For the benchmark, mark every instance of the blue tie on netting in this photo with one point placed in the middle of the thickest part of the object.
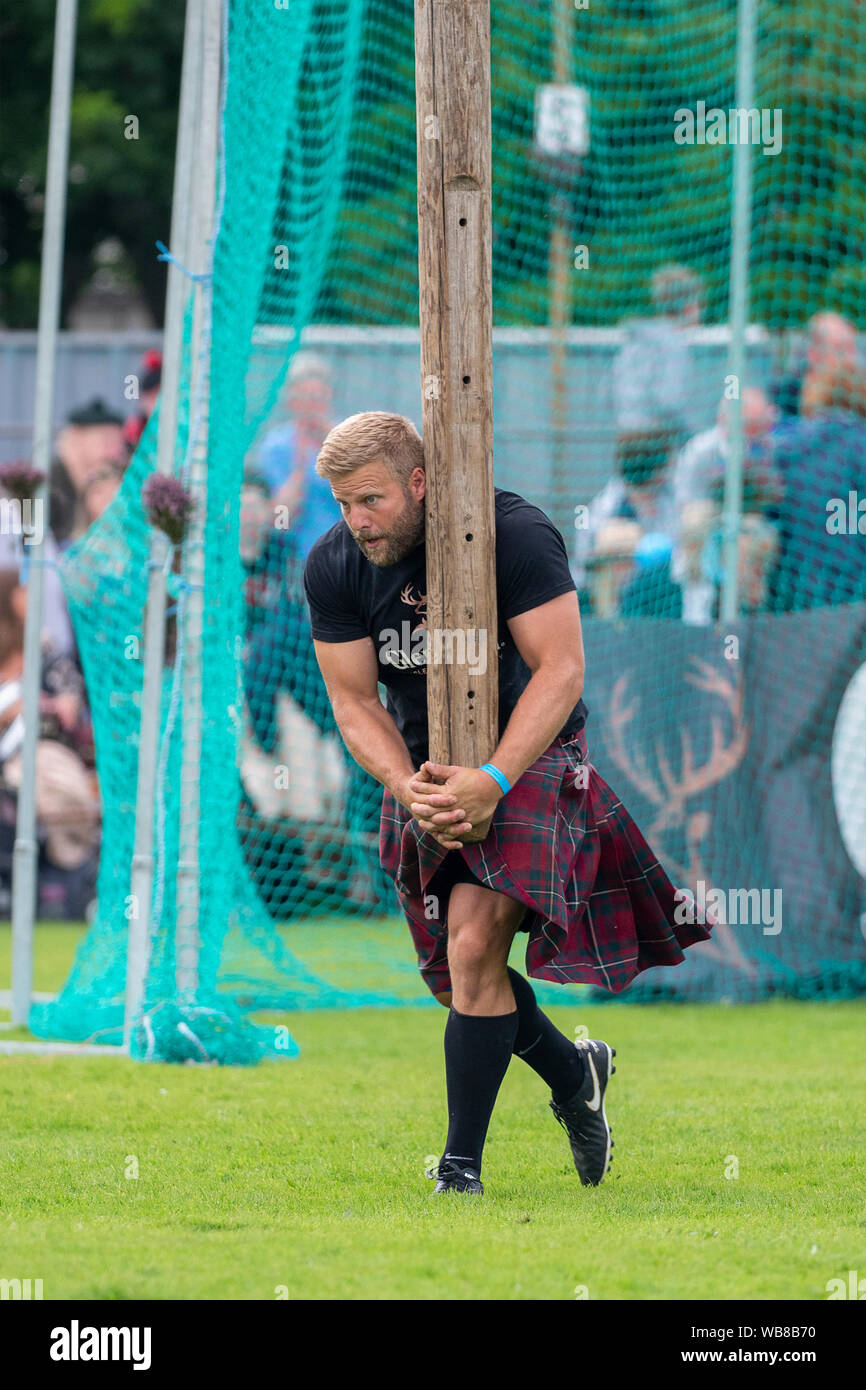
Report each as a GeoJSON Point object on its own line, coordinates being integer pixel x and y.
{"type": "Point", "coordinates": [205, 276]}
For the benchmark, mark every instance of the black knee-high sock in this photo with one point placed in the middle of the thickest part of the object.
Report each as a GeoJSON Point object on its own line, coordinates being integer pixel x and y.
{"type": "Point", "coordinates": [542, 1046]}
{"type": "Point", "coordinates": [478, 1049]}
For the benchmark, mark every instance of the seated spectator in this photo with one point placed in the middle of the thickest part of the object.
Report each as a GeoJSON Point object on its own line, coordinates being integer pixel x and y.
{"type": "Point", "coordinates": [293, 831]}
{"type": "Point", "coordinates": [280, 658]}
{"type": "Point", "coordinates": [822, 459]}
{"type": "Point", "coordinates": [831, 341]}
{"type": "Point", "coordinates": [63, 712]}
{"type": "Point", "coordinates": [698, 491]}
{"type": "Point", "coordinates": [705, 455]}
{"type": "Point", "coordinates": [637, 570]}
{"type": "Point", "coordinates": [99, 492]}
{"type": "Point", "coordinates": [702, 558]}
{"type": "Point", "coordinates": [269, 553]}
{"type": "Point", "coordinates": [16, 545]}
{"type": "Point", "coordinates": [90, 459]}
{"type": "Point", "coordinates": [611, 565]}
{"type": "Point", "coordinates": [651, 591]}
{"type": "Point", "coordinates": [638, 493]}
{"type": "Point", "coordinates": [67, 800]}
{"type": "Point", "coordinates": [287, 458]}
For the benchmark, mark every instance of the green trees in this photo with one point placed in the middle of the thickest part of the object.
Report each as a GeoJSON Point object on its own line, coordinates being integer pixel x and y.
{"type": "Point", "coordinates": [639, 200]}
{"type": "Point", "coordinates": [127, 65]}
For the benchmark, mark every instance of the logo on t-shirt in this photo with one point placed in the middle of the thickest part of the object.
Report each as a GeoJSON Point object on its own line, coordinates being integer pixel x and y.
{"type": "Point", "coordinates": [409, 649]}
{"type": "Point", "coordinates": [419, 603]}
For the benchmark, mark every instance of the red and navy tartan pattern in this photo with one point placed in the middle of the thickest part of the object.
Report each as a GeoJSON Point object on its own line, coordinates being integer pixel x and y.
{"type": "Point", "coordinates": [600, 906]}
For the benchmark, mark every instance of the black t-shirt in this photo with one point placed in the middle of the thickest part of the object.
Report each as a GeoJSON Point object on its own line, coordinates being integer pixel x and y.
{"type": "Point", "coordinates": [351, 598]}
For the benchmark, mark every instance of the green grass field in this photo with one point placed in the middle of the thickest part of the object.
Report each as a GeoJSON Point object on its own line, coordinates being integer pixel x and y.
{"type": "Point", "coordinates": [308, 1175]}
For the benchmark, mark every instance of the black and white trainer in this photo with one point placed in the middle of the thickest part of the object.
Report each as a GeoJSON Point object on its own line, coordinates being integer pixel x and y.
{"type": "Point", "coordinates": [453, 1175]}
{"type": "Point", "coordinates": [583, 1117]}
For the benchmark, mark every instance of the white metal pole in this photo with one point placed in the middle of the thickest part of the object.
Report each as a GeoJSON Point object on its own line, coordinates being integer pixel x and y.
{"type": "Point", "coordinates": [559, 279]}
{"type": "Point", "coordinates": [739, 307]}
{"type": "Point", "coordinates": [177, 293]}
{"type": "Point", "coordinates": [191, 610]}
{"type": "Point", "coordinates": [25, 852]}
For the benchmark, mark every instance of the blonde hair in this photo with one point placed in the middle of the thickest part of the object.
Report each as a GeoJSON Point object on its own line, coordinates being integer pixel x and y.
{"type": "Point", "coordinates": [374, 434]}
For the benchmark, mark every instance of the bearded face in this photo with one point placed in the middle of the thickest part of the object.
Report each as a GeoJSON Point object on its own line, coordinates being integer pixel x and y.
{"type": "Point", "coordinates": [403, 534]}
{"type": "Point", "coordinates": [385, 517]}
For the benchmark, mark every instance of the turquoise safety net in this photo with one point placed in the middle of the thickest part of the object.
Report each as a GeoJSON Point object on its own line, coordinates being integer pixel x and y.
{"type": "Point", "coordinates": [738, 744]}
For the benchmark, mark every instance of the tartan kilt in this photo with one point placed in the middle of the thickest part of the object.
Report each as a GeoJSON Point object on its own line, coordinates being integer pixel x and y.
{"type": "Point", "coordinates": [600, 908]}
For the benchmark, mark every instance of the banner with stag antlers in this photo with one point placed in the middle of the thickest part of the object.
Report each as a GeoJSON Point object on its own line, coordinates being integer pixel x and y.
{"type": "Point", "coordinates": [742, 756]}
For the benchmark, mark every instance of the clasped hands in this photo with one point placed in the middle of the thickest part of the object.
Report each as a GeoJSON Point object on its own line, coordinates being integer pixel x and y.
{"type": "Point", "coordinates": [454, 804]}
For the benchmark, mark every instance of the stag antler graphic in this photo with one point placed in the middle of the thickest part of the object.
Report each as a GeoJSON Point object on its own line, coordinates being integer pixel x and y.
{"type": "Point", "coordinates": [419, 604]}
{"type": "Point", "coordinates": [669, 792]}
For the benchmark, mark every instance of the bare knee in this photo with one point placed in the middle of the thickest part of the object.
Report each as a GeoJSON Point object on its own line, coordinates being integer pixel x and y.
{"type": "Point", "coordinates": [477, 958]}
{"type": "Point", "coordinates": [472, 946]}
{"type": "Point", "coordinates": [481, 925]}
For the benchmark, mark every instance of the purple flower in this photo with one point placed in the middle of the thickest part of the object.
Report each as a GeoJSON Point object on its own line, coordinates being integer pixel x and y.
{"type": "Point", "coordinates": [20, 479]}
{"type": "Point", "coordinates": [168, 505]}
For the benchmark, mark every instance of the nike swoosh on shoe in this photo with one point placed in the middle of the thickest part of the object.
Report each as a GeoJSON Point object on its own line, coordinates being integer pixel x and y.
{"type": "Point", "coordinates": [583, 1117]}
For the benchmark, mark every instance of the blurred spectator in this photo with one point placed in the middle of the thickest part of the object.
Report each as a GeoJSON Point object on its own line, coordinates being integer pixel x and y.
{"type": "Point", "coordinates": [705, 455]}
{"type": "Point", "coordinates": [90, 454]}
{"type": "Point", "coordinates": [644, 558]}
{"type": "Point", "coordinates": [63, 714]}
{"type": "Point", "coordinates": [287, 457]}
{"type": "Point", "coordinates": [698, 481]}
{"type": "Point", "coordinates": [99, 492]}
{"type": "Point", "coordinates": [148, 387]}
{"type": "Point", "coordinates": [822, 460]}
{"type": "Point", "coordinates": [831, 341]}
{"type": "Point", "coordinates": [67, 801]}
{"type": "Point", "coordinates": [14, 551]}
{"type": "Point", "coordinates": [256, 518]}
{"type": "Point", "coordinates": [267, 552]}
{"type": "Point", "coordinates": [630, 523]}
{"type": "Point", "coordinates": [291, 827]}
{"type": "Point", "coordinates": [652, 372]}
{"type": "Point", "coordinates": [611, 565]}
{"type": "Point", "coordinates": [701, 557]}
{"type": "Point", "coordinates": [280, 658]}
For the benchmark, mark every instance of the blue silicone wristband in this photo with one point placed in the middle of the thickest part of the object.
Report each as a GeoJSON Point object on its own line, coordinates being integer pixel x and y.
{"type": "Point", "coordinates": [496, 775]}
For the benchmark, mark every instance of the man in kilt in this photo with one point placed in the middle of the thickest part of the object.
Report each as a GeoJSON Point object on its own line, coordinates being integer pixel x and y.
{"type": "Point", "coordinates": [561, 859]}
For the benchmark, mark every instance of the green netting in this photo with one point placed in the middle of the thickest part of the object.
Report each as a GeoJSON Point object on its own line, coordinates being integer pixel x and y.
{"type": "Point", "coordinates": [318, 226]}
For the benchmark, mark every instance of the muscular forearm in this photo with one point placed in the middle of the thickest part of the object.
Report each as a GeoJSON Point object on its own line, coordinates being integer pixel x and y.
{"type": "Point", "coordinates": [376, 744]}
{"type": "Point", "coordinates": [537, 718]}
{"type": "Point", "coordinates": [460, 812]}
